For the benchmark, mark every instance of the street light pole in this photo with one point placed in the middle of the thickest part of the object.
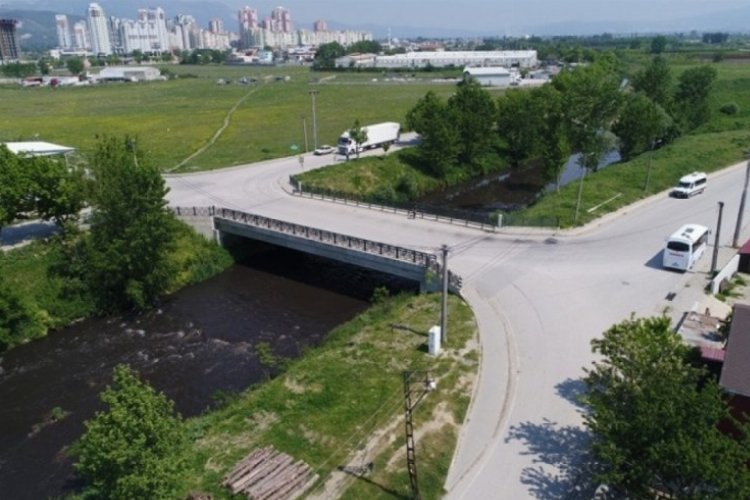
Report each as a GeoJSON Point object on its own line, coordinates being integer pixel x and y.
{"type": "Point", "coordinates": [738, 227]}
{"type": "Point", "coordinates": [313, 93]}
{"type": "Point", "coordinates": [715, 258]}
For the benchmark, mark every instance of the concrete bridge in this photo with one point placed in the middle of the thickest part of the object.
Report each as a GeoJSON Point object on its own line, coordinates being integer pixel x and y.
{"type": "Point", "coordinates": [414, 265]}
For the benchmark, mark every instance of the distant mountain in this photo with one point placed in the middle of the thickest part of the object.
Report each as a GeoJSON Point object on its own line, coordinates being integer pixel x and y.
{"type": "Point", "coordinates": [36, 28]}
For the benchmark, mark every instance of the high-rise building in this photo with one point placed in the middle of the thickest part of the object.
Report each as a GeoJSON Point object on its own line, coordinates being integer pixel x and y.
{"type": "Point", "coordinates": [319, 26]}
{"type": "Point", "coordinates": [8, 41]}
{"type": "Point", "coordinates": [98, 30]}
{"type": "Point", "coordinates": [147, 34]}
{"type": "Point", "coordinates": [81, 38]}
{"type": "Point", "coordinates": [64, 35]}
{"type": "Point", "coordinates": [187, 33]}
{"type": "Point", "coordinates": [248, 21]}
{"type": "Point", "coordinates": [216, 26]}
{"type": "Point", "coordinates": [281, 20]}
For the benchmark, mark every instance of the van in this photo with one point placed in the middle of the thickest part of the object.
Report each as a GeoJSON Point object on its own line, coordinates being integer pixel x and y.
{"type": "Point", "coordinates": [689, 185]}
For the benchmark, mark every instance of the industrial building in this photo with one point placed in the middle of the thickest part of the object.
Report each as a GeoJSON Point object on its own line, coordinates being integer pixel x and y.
{"type": "Point", "coordinates": [493, 76]}
{"type": "Point", "coordinates": [8, 41]}
{"type": "Point", "coordinates": [128, 74]}
{"type": "Point", "coordinates": [442, 59]}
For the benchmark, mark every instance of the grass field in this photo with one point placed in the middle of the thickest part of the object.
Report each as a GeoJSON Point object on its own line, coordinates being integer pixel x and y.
{"type": "Point", "coordinates": [328, 406]}
{"type": "Point", "coordinates": [174, 119]}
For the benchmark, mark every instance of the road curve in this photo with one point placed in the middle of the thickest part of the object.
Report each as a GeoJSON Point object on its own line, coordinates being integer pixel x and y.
{"type": "Point", "coordinates": [539, 298]}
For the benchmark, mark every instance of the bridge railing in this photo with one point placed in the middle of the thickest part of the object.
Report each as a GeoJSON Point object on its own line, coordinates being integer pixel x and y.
{"type": "Point", "coordinates": [427, 260]}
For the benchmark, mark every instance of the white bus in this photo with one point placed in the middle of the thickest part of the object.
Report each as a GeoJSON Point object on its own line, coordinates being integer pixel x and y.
{"type": "Point", "coordinates": [685, 246]}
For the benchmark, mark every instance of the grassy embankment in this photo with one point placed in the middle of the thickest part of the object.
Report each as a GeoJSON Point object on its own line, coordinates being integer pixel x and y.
{"type": "Point", "coordinates": [713, 146]}
{"type": "Point", "coordinates": [335, 401]}
{"type": "Point", "coordinates": [173, 119]}
{"type": "Point", "coordinates": [29, 271]}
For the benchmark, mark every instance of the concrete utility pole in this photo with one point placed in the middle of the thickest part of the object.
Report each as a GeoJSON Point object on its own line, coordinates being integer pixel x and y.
{"type": "Point", "coordinates": [738, 227]}
{"type": "Point", "coordinates": [304, 131]}
{"type": "Point", "coordinates": [444, 301]}
{"type": "Point", "coordinates": [313, 93]}
{"type": "Point", "coordinates": [411, 400]}
{"type": "Point", "coordinates": [715, 258]}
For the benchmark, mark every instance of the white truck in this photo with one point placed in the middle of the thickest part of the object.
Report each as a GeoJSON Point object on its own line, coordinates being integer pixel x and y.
{"type": "Point", "coordinates": [377, 135]}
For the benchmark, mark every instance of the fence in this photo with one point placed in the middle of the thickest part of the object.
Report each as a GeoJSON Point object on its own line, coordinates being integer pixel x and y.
{"type": "Point", "coordinates": [465, 218]}
{"type": "Point", "coordinates": [193, 211]}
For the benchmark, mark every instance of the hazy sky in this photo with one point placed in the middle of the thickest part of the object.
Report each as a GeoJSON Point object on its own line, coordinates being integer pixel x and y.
{"type": "Point", "coordinates": [501, 15]}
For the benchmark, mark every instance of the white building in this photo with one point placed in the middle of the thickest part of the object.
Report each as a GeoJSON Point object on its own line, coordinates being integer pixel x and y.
{"type": "Point", "coordinates": [64, 34]}
{"type": "Point", "coordinates": [98, 30]}
{"type": "Point", "coordinates": [128, 74]}
{"type": "Point", "coordinates": [147, 34]}
{"type": "Point", "coordinates": [442, 59]}
{"type": "Point", "coordinates": [490, 76]}
{"type": "Point", "coordinates": [81, 38]}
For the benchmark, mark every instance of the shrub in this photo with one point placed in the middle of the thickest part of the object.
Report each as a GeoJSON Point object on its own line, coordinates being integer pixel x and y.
{"type": "Point", "coordinates": [729, 108]}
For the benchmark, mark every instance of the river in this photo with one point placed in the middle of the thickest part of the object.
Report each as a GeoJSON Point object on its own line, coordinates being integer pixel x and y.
{"type": "Point", "coordinates": [197, 344]}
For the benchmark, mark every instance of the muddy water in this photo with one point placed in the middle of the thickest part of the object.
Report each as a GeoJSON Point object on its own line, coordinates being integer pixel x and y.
{"type": "Point", "coordinates": [197, 344]}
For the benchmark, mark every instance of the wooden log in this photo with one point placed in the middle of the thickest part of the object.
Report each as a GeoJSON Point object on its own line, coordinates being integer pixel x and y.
{"type": "Point", "coordinates": [248, 463]}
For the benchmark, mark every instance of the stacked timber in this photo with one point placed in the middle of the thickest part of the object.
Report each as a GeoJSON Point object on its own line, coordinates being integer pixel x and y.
{"type": "Point", "coordinates": [268, 474]}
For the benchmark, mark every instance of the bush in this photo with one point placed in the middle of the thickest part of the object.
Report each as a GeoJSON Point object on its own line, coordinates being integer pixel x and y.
{"type": "Point", "coordinates": [729, 108]}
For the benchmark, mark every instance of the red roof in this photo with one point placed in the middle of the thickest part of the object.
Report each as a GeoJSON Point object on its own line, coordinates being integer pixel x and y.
{"type": "Point", "coordinates": [745, 248]}
{"type": "Point", "coordinates": [712, 353]}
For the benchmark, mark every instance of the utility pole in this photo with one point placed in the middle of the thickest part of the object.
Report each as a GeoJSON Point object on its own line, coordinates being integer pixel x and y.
{"type": "Point", "coordinates": [650, 161]}
{"type": "Point", "coordinates": [738, 227]}
{"type": "Point", "coordinates": [444, 300]}
{"type": "Point", "coordinates": [304, 131]}
{"type": "Point", "coordinates": [313, 93]}
{"type": "Point", "coordinates": [715, 258]}
{"type": "Point", "coordinates": [410, 403]}
{"type": "Point", "coordinates": [580, 190]}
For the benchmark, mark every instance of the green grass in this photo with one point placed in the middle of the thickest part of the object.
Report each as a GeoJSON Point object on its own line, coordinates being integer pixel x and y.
{"type": "Point", "coordinates": [174, 119]}
{"type": "Point", "coordinates": [330, 402]}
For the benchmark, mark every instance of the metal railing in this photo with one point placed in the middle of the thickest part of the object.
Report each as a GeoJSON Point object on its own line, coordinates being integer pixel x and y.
{"type": "Point", "coordinates": [465, 218]}
{"type": "Point", "coordinates": [427, 260]}
{"type": "Point", "coordinates": [193, 211]}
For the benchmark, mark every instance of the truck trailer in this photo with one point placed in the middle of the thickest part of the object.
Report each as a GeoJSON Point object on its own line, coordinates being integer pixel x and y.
{"type": "Point", "coordinates": [377, 135]}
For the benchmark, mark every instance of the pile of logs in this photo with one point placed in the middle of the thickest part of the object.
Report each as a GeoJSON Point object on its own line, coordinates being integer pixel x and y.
{"type": "Point", "coordinates": [268, 474]}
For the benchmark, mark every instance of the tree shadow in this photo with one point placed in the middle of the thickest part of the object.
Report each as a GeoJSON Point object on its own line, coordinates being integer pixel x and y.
{"type": "Point", "coordinates": [572, 390]}
{"type": "Point", "coordinates": [564, 469]}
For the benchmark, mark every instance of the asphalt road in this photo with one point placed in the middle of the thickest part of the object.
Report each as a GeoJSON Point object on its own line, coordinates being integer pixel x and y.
{"type": "Point", "coordinates": [539, 298]}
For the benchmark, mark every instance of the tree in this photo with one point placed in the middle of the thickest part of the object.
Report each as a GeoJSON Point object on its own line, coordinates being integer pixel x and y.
{"type": "Point", "coordinates": [365, 47]}
{"type": "Point", "coordinates": [691, 98]}
{"type": "Point", "coordinates": [519, 123]}
{"type": "Point", "coordinates": [59, 189]}
{"type": "Point", "coordinates": [326, 55]}
{"type": "Point", "coordinates": [655, 81]}
{"type": "Point", "coordinates": [654, 418]}
{"type": "Point", "coordinates": [15, 197]}
{"type": "Point", "coordinates": [641, 122]}
{"type": "Point", "coordinates": [554, 144]}
{"type": "Point", "coordinates": [358, 134]}
{"type": "Point", "coordinates": [439, 138]}
{"type": "Point", "coordinates": [590, 102]}
{"type": "Point", "coordinates": [658, 44]}
{"type": "Point", "coordinates": [75, 65]}
{"type": "Point", "coordinates": [19, 320]}
{"type": "Point", "coordinates": [131, 449]}
{"type": "Point", "coordinates": [132, 232]}
{"type": "Point", "coordinates": [475, 114]}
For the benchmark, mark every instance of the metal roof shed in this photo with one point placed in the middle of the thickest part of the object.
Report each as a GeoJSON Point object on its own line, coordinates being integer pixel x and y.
{"type": "Point", "coordinates": [37, 148]}
{"type": "Point", "coordinates": [735, 375]}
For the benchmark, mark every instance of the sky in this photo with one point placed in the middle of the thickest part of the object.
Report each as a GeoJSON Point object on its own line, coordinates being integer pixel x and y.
{"type": "Point", "coordinates": [454, 17]}
{"type": "Point", "coordinates": [510, 16]}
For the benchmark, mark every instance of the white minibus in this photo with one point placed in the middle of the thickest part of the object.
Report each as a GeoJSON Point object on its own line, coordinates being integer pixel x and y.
{"type": "Point", "coordinates": [685, 246]}
{"type": "Point", "coordinates": [689, 185]}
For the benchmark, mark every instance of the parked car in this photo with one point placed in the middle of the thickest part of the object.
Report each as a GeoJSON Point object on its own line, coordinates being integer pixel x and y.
{"type": "Point", "coordinates": [325, 149]}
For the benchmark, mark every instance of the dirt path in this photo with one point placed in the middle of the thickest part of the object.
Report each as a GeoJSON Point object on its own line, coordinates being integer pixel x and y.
{"type": "Point", "coordinates": [217, 134]}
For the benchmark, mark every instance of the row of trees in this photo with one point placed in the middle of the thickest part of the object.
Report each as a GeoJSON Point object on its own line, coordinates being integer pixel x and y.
{"type": "Point", "coordinates": [578, 112]}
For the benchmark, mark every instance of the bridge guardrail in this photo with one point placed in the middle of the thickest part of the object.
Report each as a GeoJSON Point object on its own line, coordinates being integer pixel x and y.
{"type": "Point", "coordinates": [402, 254]}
